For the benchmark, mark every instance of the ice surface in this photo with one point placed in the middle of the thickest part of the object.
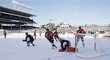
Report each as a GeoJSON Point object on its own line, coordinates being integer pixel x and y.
{"type": "Point", "coordinates": [12, 48]}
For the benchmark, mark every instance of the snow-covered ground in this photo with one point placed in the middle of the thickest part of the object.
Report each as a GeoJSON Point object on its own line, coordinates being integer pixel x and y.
{"type": "Point", "coordinates": [12, 48]}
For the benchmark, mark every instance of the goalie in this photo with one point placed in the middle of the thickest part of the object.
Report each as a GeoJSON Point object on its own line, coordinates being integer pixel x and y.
{"type": "Point", "coordinates": [66, 46]}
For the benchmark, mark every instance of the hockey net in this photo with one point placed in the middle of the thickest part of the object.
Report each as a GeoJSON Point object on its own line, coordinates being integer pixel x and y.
{"type": "Point", "coordinates": [98, 49]}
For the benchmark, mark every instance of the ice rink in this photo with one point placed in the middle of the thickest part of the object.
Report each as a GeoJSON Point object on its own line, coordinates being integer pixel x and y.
{"type": "Point", "coordinates": [13, 48]}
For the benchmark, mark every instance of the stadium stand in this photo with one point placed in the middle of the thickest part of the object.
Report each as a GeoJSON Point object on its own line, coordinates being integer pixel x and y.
{"type": "Point", "coordinates": [12, 19]}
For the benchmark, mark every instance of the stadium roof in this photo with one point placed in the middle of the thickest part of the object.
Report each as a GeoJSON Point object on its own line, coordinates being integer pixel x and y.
{"type": "Point", "coordinates": [4, 9]}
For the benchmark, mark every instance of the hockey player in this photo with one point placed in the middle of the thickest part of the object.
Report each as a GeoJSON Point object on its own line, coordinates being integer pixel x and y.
{"type": "Point", "coordinates": [80, 35]}
{"type": "Point", "coordinates": [56, 35]}
{"type": "Point", "coordinates": [35, 34]}
{"type": "Point", "coordinates": [64, 44]}
{"type": "Point", "coordinates": [49, 36]}
{"type": "Point", "coordinates": [5, 33]}
{"type": "Point", "coordinates": [29, 39]}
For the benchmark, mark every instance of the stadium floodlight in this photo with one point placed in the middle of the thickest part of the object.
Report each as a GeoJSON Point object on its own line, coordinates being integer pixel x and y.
{"type": "Point", "coordinates": [22, 5]}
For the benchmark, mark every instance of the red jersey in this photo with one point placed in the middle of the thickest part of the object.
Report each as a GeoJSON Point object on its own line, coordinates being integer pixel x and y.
{"type": "Point", "coordinates": [48, 34]}
{"type": "Point", "coordinates": [80, 31]}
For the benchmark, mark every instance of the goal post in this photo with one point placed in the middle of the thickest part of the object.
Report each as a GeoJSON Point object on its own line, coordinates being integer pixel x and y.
{"type": "Point", "coordinates": [97, 46]}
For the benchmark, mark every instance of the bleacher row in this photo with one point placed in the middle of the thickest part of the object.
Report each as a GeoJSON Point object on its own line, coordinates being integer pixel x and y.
{"type": "Point", "coordinates": [16, 17]}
